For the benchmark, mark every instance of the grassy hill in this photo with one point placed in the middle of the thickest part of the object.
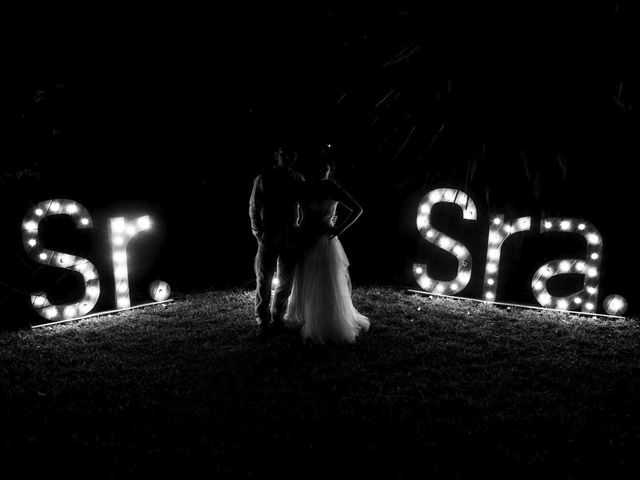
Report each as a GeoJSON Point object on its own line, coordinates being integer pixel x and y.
{"type": "Point", "coordinates": [437, 388]}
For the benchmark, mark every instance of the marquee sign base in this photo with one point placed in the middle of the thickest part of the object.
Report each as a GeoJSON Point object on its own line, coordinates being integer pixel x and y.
{"type": "Point", "coordinates": [504, 304]}
{"type": "Point", "coordinates": [100, 314]}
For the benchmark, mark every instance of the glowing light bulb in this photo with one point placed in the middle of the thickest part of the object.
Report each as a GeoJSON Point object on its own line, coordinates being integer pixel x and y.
{"type": "Point", "coordinates": [538, 285]}
{"type": "Point", "coordinates": [84, 221]}
{"type": "Point", "coordinates": [72, 208]}
{"type": "Point", "coordinates": [445, 243]}
{"type": "Point", "coordinates": [565, 225]}
{"type": "Point", "coordinates": [458, 250]}
{"type": "Point", "coordinates": [544, 299]}
{"type": "Point", "coordinates": [497, 221]}
{"type": "Point", "coordinates": [594, 256]}
{"type": "Point", "coordinates": [491, 281]}
{"type": "Point", "coordinates": [565, 266]}
{"type": "Point", "coordinates": [547, 225]}
{"type": "Point", "coordinates": [54, 207]}
{"type": "Point", "coordinates": [90, 275]}
{"type": "Point", "coordinates": [580, 266]}
{"type": "Point", "coordinates": [525, 223]}
{"type": "Point", "coordinates": [494, 253]}
{"type": "Point", "coordinates": [43, 256]}
{"type": "Point", "coordinates": [562, 304]}
{"type": "Point", "coordinates": [32, 242]}
{"type": "Point", "coordinates": [454, 287]}
{"type": "Point", "coordinates": [577, 300]}
{"type": "Point", "coordinates": [593, 238]}
{"type": "Point", "coordinates": [424, 209]}
{"type": "Point", "coordinates": [440, 288]}
{"type": "Point", "coordinates": [593, 272]}
{"type": "Point", "coordinates": [492, 267]}
{"type": "Point", "coordinates": [419, 270]}
{"type": "Point", "coordinates": [591, 290]}
{"type": "Point", "coordinates": [39, 212]}
{"type": "Point", "coordinates": [430, 234]}
{"type": "Point", "coordinates": [84, 308]}
{"type": "Point", "coordinates": [120, 257]}
{"type": "Point", "coordinates": [159, 290]}
{"type": "Point", "coordinates": [118, 225]}
{"type": "Point", "coordinates": [31, 226]}
{"type": "Point", "coordinates": [582, 226]}
{"type": "Point", "coordinates": [589, 306]}
{"type": "Point", "coordinates": [615, 305]}
{"type": "Point", "coordinates": [144, 223]}
{"type": "Point", "coordinates": [488, 296]}
{"type": "Point", "coordinates": [39, 302]}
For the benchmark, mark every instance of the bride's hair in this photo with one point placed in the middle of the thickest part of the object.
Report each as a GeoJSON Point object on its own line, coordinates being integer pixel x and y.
{"type": "Point", "coordinates": [317, 165]}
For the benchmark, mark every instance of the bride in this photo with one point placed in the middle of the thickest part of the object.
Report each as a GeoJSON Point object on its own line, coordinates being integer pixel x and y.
{"type": "Point", "coordinates": [321, 297]}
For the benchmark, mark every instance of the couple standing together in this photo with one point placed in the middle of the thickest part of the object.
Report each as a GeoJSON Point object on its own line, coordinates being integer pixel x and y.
{"type": "Point", "coordinates": [294, 221]}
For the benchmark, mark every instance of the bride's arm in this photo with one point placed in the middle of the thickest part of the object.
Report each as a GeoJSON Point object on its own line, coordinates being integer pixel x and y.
{"type": "Point", "coordinates": [355, 210]}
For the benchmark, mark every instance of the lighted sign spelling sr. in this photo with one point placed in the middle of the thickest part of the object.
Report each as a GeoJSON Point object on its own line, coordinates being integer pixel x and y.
{"type": "Point", "coordinates": [122, 232]}
{"type": "Point", "coordinates": [585, 300]}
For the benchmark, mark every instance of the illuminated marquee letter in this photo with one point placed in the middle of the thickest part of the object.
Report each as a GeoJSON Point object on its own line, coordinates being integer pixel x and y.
{"type": "Point", "coordinates": [121, 232]}
{"type": "Point", "coordinates": [84, 267]}
{"type": "Point", "coordinates": [586, 299]}
{"type": "Point", "coordinates": [447, 195]}
{"type": "Point", "coordinates": [498, 233]}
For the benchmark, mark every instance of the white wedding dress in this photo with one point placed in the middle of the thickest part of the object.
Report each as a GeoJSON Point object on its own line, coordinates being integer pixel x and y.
{"type": "Point", "coordinates": [320, 300]}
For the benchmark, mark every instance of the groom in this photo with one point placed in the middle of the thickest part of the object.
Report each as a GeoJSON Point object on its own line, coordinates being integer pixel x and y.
{"type": "Point", "coordinates": [273, 210]}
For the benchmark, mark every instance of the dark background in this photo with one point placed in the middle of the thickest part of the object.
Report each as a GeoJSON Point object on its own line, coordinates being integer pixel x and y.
{"type": "Point", "coordinates": [173, 111]}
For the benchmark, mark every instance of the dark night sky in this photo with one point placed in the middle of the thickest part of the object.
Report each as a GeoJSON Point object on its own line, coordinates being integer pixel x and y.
{"type": "Point", "coordinates": [179, 107]}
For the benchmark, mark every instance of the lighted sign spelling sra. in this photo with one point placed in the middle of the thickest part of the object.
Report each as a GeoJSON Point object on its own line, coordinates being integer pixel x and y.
{"type": "Point", "coordinates": [585, 300]}
{"type": "Point", "coordinates": [122, 232]}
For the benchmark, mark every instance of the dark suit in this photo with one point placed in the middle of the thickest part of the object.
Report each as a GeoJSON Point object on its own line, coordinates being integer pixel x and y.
{"type": "Point", "coordinates": [273, 210]}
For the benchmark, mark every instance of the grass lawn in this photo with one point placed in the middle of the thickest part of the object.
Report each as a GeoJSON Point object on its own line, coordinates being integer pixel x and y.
{"type": "Point", "coordinates": [437, 388]}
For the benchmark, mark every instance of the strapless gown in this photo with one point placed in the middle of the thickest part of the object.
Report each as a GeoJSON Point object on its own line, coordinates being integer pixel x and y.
{"type": "Point", "coordinates": [320, 300]}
